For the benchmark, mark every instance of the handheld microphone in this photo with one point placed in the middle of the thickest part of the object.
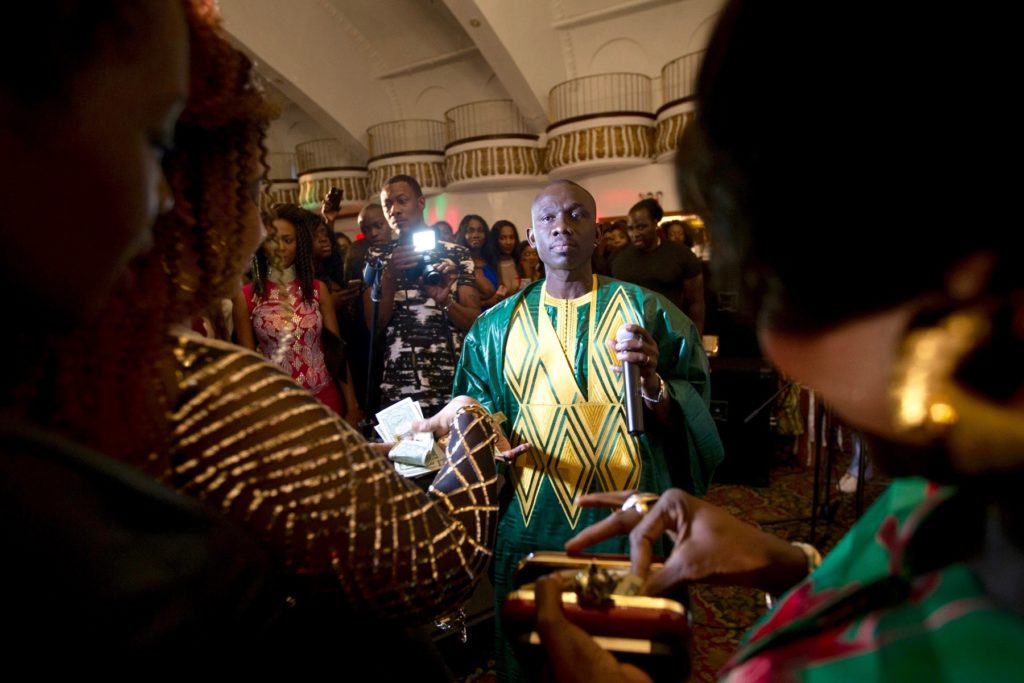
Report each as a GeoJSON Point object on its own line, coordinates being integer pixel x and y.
{"type": "Point", "coordinates": [631, 375]}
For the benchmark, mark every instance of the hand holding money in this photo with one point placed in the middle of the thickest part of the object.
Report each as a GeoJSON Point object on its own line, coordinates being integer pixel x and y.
{"type": "Point", "coordinates": [440, 423]}
{"type": "Point", "coordinates": [411, 448]}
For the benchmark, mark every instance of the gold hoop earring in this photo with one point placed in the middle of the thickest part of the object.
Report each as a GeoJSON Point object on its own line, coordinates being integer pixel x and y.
{"type": "Point", "coordinates": [930, 405]}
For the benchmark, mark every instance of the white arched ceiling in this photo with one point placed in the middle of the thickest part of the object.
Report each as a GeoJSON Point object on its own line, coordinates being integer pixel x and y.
{"type": "Point", "coordinates": [620, 54]}
{"type": "Point", "coordinates": [350, 64]}
{"type": "Point", "coordinates": [702, 34]}
{"type": "Point", "coordinates": [433, 102]}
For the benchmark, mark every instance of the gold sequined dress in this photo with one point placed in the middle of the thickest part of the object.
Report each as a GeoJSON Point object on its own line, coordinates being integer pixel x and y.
{"type": "Point", "coordinates": [249, 441]}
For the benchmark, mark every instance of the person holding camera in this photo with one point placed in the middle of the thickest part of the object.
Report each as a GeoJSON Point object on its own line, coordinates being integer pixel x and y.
{"type": "Point", "coordinates": [428, 300]}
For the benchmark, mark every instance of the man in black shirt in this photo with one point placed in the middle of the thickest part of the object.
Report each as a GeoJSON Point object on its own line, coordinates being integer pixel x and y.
{"type": "Point", "coordinates": [668, 268]}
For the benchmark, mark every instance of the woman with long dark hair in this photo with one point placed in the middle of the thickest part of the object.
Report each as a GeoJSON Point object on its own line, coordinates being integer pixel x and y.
{"type": "Point", "coordinates": [329, 268]}
{"type": "Point", "coordinates": [286, 309]}
{"type": "Point", "coordinates": [502, 243]}
{"type": "Point", "coordinates": [328, 258]}
{"type": "Point", "coordinates": [529, 262]}
{"type": "Point", "coordinates": [473, 232]}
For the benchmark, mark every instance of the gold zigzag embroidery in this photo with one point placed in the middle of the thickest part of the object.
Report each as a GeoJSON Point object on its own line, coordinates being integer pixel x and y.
{"type": "Point", "coordinates": [606, 385]}
{"type": "Point", "coordinates": [593, 415]}
{"type": "Point", "coordinates": [573, 441]}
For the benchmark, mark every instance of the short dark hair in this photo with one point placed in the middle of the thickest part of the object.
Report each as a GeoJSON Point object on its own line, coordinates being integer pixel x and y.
{"type": "Point", "coordinates": [371, 205]}
{"type": "Point", "coordinates": [617, 227]}
{"type": "Point", "coordinates": [652, 207]}
{"type": "Point", "coordinates": [775, 185]}
{"type": "Point", "coordinates": [407, 179]}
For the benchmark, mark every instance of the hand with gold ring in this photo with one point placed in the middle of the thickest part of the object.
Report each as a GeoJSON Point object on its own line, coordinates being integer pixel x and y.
{"type": "Point", "coordinates": [709, 543]}
{"type": "Point", "coordinates": [640, 349]}
{"type": "Point", "coordinates": [639, 502]}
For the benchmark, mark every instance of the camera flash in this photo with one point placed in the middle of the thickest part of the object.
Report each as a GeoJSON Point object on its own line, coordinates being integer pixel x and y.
{"type": "Point", "coordinates": [423, 240]}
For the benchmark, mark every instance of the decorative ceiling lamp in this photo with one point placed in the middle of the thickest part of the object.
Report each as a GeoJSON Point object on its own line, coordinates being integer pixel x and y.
{"type": "Point", "coordinates": [490, 145]}
{"type": "Point", "coordinates": [412, 147]}
{"type": "Point", "coordinates": [679, 87]}
{"type": "Point", "coordinates": [328, 163]}
{"type": "Point", "coordinates": [601, 122]}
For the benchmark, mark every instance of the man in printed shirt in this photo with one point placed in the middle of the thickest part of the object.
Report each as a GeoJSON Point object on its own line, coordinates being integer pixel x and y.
{"type": "Point", "coordinates": [423, 318]}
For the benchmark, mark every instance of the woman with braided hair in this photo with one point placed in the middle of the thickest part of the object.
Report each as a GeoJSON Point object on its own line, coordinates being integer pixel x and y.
{"type": "Point", "coordinates": [284, 311]}
{"type": "Point", "coordinates": [220, 424]}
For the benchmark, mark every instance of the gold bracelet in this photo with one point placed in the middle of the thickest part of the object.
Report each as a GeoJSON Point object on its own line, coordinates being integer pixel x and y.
{"type": "Point", "coordinates": [812, 555]}
{"type": "Point", "coordinates": [813, 558]}
{"type": "Point", "coordinates": [480, 412]}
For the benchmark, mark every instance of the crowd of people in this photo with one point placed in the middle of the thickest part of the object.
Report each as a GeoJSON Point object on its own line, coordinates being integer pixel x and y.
{"type": "Point", "coordinates": [188, 485]}
{"type": "Point", "coordinates": [304, 244]}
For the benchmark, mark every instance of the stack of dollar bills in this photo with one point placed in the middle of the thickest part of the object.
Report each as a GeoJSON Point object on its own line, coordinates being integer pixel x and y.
{"type": "Point", "coordinates": [414, 453]}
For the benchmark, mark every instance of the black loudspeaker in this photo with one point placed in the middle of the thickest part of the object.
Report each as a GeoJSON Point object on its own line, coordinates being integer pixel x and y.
{"type": "Point", "coordinates": [742, 396]}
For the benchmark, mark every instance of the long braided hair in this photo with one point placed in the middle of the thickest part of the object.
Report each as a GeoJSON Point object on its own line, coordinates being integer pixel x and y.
{"type": "Point", "coordinates": [110, 392]}
{"type": "Point", "coordinates": [302, 220]}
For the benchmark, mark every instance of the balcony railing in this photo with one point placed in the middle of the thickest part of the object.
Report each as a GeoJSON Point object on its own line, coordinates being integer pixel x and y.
{"type": "Point", "coordinates": [486, 118]}
{"type": "Point", "coordinates": [600, 94]}
{"type": "Point", "coordinates": [328, 153]}
{"type": "Point", "coordinates": [282, 166]}
{"type": "Point", "coordinates": [679, 77]}
{"type": "Point", "coordinates": [410, 135]}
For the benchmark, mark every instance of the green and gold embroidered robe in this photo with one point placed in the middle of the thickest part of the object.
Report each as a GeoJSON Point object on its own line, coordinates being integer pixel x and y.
{"type": "Point", "coordinates": [543, 362]}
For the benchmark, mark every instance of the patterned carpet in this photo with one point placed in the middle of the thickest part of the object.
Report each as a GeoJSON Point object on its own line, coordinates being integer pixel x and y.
{"type": "Point", "coordinates": [721, 615]}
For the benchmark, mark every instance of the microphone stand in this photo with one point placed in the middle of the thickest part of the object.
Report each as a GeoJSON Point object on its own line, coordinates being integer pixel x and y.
{"type": "Point", "coordinates": [372, 272]}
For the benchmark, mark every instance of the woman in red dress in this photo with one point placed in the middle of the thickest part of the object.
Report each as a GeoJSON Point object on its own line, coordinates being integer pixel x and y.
{"type": "Point", "coordinates": [285, 310]}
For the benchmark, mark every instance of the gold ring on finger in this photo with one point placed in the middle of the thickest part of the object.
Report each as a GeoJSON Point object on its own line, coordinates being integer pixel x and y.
{"type": "Point", "coordinates": [640, 502]}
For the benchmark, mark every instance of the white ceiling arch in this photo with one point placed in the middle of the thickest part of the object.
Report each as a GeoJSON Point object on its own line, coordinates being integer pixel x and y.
{"type": "Point", "coordinates": [345, 65]}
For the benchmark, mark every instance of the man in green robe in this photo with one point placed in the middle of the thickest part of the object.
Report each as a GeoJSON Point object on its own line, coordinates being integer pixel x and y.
{"type": "Point", "coordinates": [547, 359]}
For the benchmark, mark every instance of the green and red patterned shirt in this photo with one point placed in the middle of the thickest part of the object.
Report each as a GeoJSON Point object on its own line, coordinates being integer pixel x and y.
{"type": "Point", "coordinates": [895, 600]}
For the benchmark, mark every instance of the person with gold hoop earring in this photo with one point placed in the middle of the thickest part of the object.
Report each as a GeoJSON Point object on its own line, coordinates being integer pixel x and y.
{"type": "Point", "coordinates": [919, 347]}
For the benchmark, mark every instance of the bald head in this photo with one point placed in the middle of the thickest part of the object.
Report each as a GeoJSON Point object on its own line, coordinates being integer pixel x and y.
{"type": "Point", "coordinates": [564, 229]}
{"type": "Point", "coordinates": [564, 182]}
